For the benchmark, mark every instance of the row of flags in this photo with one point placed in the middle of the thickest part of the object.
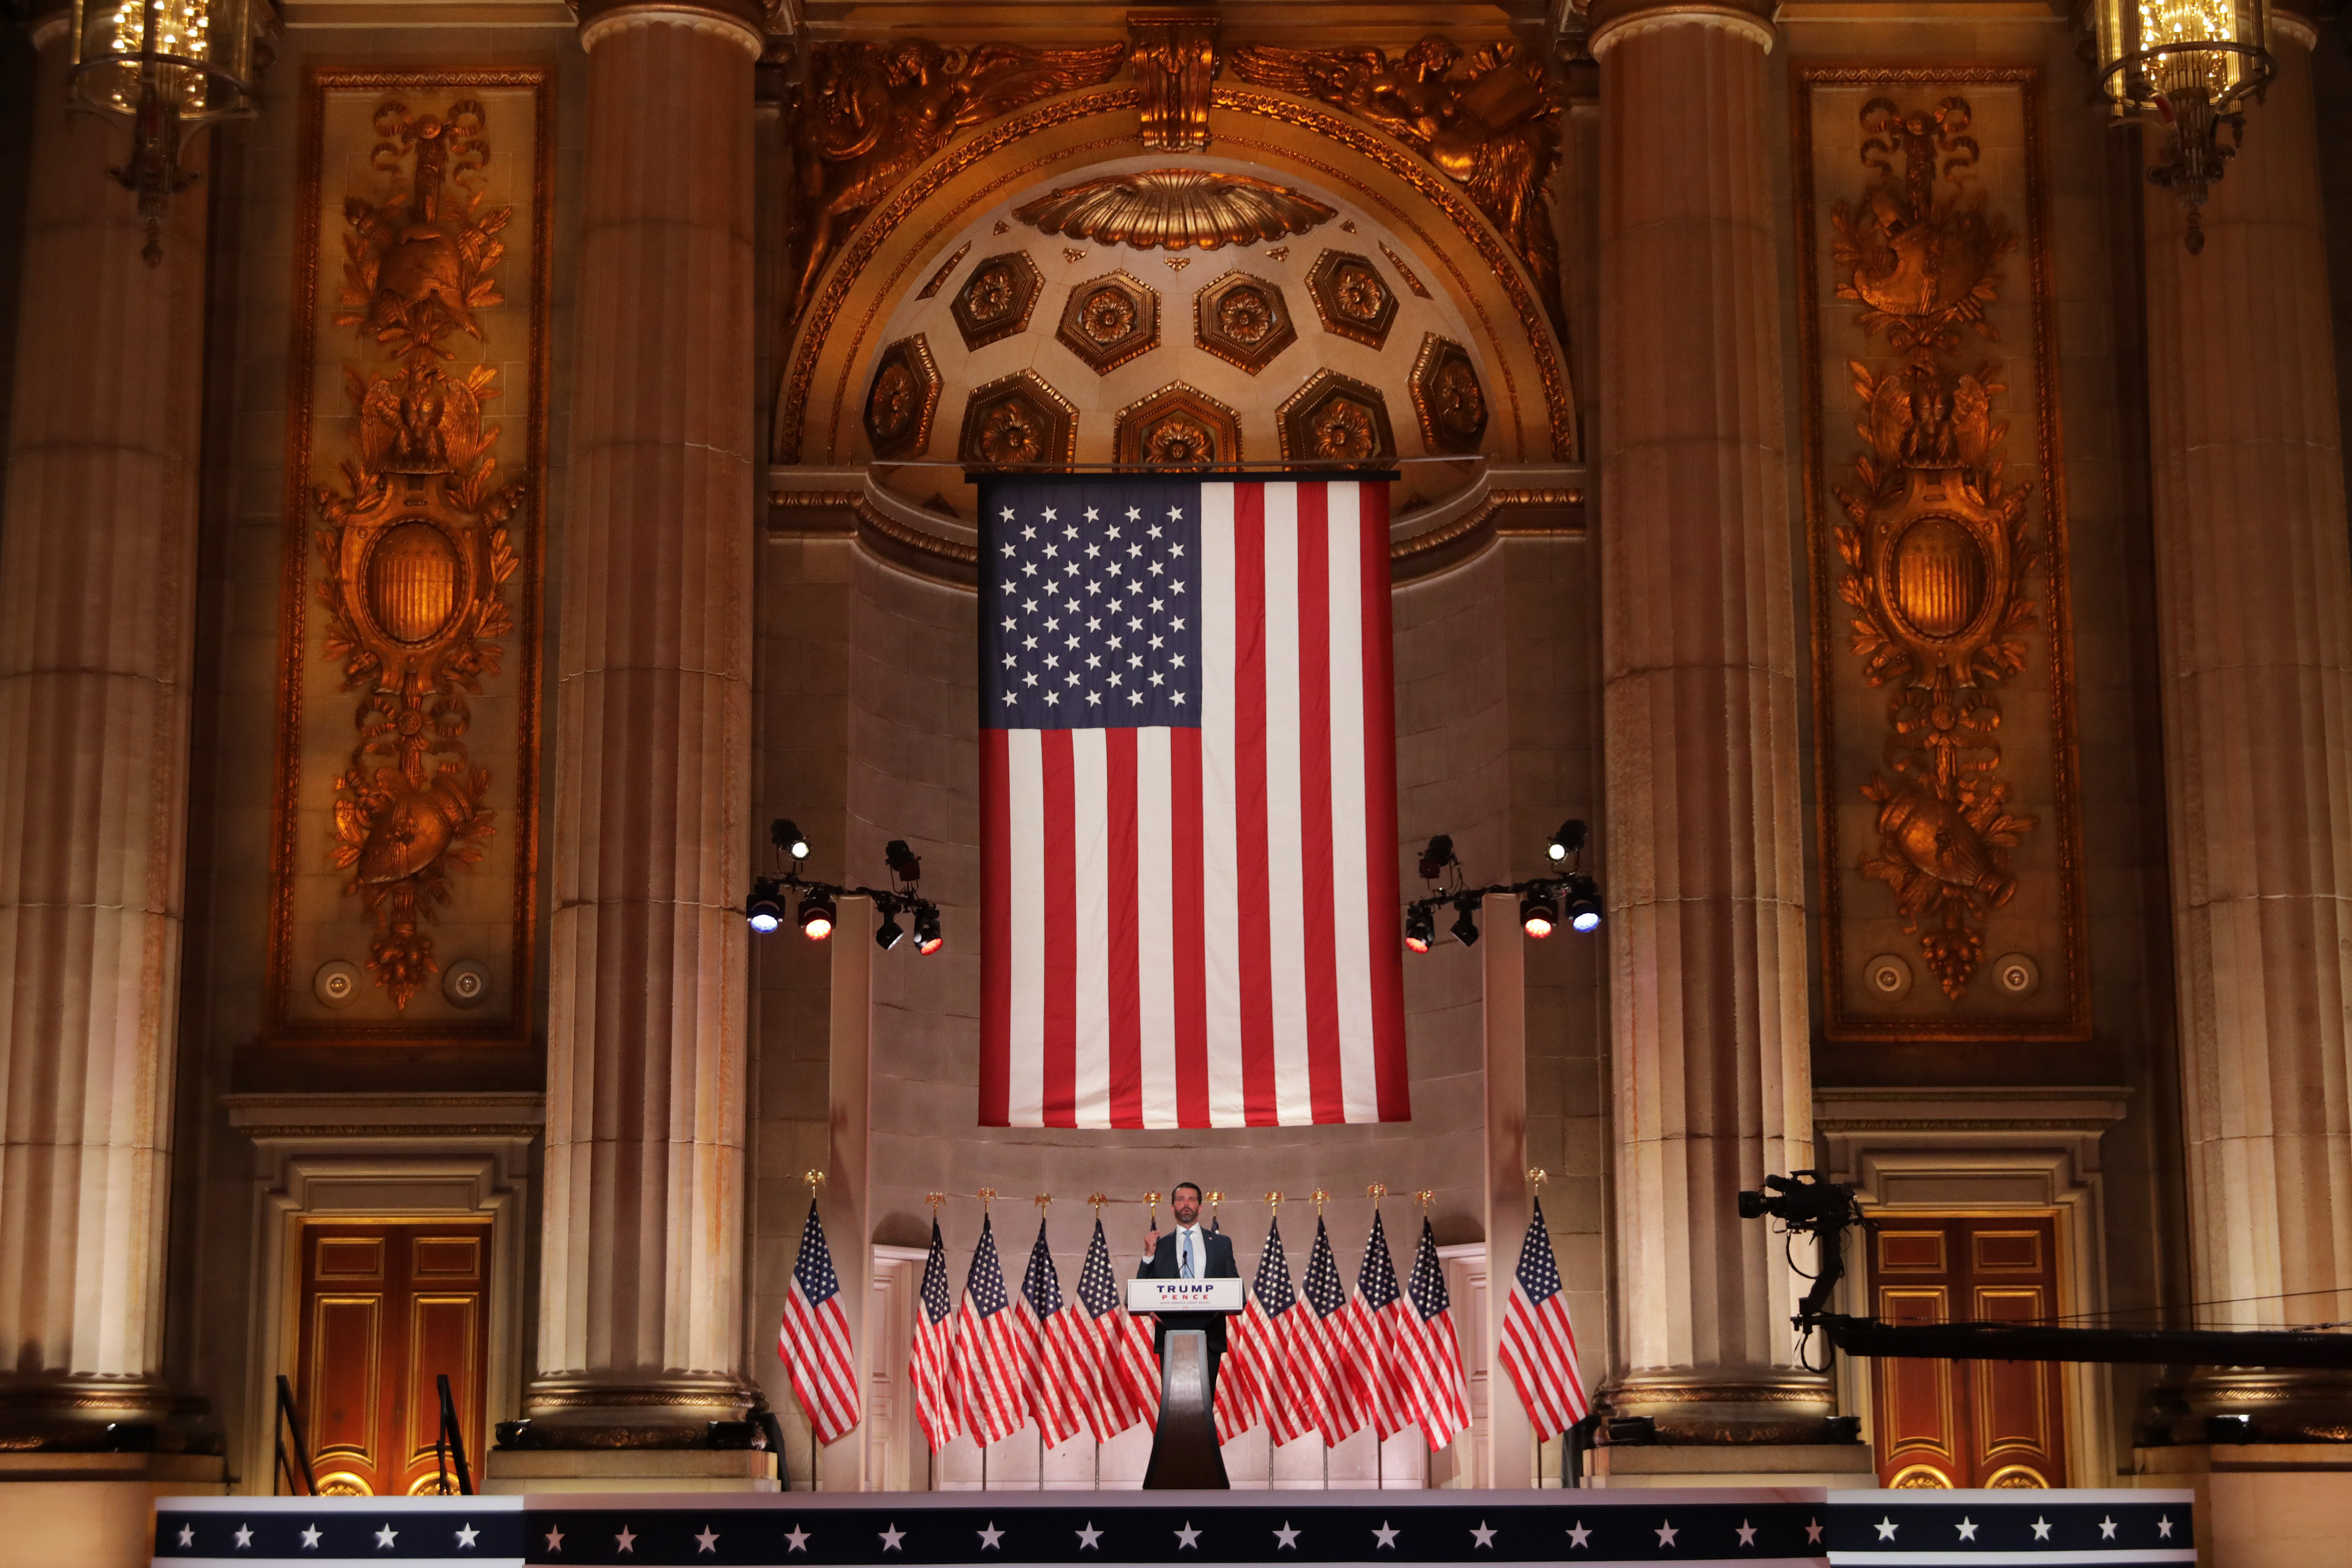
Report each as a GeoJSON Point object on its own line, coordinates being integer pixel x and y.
{"type": "Point", "coordinates": [1320, 1362]}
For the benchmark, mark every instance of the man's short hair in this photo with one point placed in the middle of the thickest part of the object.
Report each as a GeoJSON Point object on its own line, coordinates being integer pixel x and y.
{"type": "Point", "coordinates": [1182, 1185]}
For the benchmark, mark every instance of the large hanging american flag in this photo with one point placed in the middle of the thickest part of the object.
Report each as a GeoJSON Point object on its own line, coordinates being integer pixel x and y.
{"type": "Point", "coordinates": [1058, 1369]}
{"type": "Point", "coordinates": [1188, 805]}
{"type": "Point", "coordinates": [1125, 1387]}
{"type": "Point", "coordinates": [1368, 1330]}
{"type": "Point", "coordinates": [932, 1354]}
{"type": "Point", "coordinates": [990, 1356]}
{"type": "Point", "coordinates": [814, 1339]}
{"type": "Point", "coordinates": [1538, 1344]}
{"type": "Point", "coordinates": [1429, 1353]}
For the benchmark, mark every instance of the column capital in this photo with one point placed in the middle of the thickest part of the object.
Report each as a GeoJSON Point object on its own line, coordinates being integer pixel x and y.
{"type": "Point", "coordinates": [742, 20]}
{"type": "Point", "coordinates": [2294, 28]}
{"type": "Point", "coordinates": [1613, 21]}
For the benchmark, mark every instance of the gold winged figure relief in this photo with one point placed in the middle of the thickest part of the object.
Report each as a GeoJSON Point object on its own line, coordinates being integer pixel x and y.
{"type": "Point", "coordinates": [1936, 547]}
{"type": "Point", "coordinates": [413, 541]}
{"type": "Point", "coordinates": [1485, 121]}
{"type": "Point", "coordinates": [873, 111]}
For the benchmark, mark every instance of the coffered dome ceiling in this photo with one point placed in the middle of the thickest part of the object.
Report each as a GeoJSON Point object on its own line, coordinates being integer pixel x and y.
{"type": "Point", "coordinates": [1162, 311]}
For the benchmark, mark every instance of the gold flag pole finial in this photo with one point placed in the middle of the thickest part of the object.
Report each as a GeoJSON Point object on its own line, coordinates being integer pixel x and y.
{"type": "Point", "coordinates": [1376, 1192]}
{"type": "Point", "coordinates": [1273, 1204]}
{"type": "Point", "coordinates": [1216, 1196]}
{"type": "Point", "coordinates": [815, 1179]}
{"type": "Point", "coordinates": [1425, 1194]}
{"type": "Point", "coordinates": [987, 1196]}
{"type": "Point", "coordinates": [1153, 1199]}
{"type": "Point", "coordinates": [1538, 1176]}
{"type": "Point", "coordinates": [1042, 1200]}
{"type": "Point", "coordinates": [1321, 1197]}
{"type": "Point", "coordinates": [1097, 1200]}
{"type": "Point", "coordinates": [935, 1200]}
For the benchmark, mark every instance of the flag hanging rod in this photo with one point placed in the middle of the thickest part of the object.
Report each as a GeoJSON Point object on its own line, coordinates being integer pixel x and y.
{"type": "Point", "coordinates": [1286, 470]}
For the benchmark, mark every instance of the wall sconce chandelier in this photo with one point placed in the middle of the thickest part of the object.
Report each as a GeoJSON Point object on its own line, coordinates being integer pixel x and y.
{"type": "Point", "coordinates": [167, 67]}
{"type": "Point", "coordinates": [1545, 902]}
{"type": "Point", "coordinates": [2189, 65]}
{"type": "Point", "coordinates": [815, 906]}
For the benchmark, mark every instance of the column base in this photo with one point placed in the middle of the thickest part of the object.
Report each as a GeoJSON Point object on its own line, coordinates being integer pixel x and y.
{"type": "Point", "coordinates": [507, 1471]}
{"type": "Point", "coordinates": [1792, 1410]}
{"type": "Point", "coordinates": [2259, 1505]}
{"type": "Point", "coordinates": [1836, 1465]}
{"type": "Point", "coordinates": [95, 1510]}
{"type": "Point", "coordinates": [588, 1413]}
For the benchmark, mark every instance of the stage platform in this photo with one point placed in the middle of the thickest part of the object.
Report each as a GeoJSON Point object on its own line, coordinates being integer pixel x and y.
{"type": "Point", "coordinates": [1783, 1527]}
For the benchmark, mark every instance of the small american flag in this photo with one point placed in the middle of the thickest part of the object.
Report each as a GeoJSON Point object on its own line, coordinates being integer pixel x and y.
{"type": "Point", "coordinates": [1188, 805]}
{"type": "Point", "coordinates": [928, 1363]}
{"type": "Point", "coordinates": [1321, 1338]}
{"type": "Point", "coordinates": [991, 1368]}
{"type": "Point", "coordinates": [1430, 1379]}
{"type": "Point", "coordinates": [814, 1339]}
{"type": "Point", "coordinates": [1538, 1344]}
{"type": "Point", "coordinates": [1123, 1387]}
{"type": "Point", "coordinates": [1058, 1368]}
{"type": "Point", "coordinates": [1368, 1331]}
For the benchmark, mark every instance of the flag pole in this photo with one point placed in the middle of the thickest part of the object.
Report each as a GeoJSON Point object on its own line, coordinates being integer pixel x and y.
{"type": "Point", "coordinates": [930, 1455]}
{"type": "Point", "coordinates": [987, 1196]}
{"type": "Point", "coordinates": [1042, 1200]}
{"type": "Point", "coordinates": [1537, 1177]}
{"type": "Point", "coordinates": [815, 1179]}
{"type": "Point", "coordinates": [1320, 1195]}
{"type": "Point", "coordinates": [1376, 1192]}
{"type": "Point", "coordinates": [1096, 1200]}
{"type": "Point", "coordinates": [1429, 1464]}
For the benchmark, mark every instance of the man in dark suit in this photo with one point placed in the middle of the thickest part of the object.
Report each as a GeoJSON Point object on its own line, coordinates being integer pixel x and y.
{"type": "Point", "coordinates": [1189, 1252]}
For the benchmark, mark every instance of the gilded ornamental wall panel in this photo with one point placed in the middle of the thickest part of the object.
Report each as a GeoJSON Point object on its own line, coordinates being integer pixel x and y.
{"type": "Point", "coordinates": [1952, 895]}
{"type": "Point", "coordinates": [407, 736]}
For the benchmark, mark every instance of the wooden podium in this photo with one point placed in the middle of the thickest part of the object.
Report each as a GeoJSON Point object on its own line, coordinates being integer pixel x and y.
{"type": "Point", "coordinates": [1185, 1450]}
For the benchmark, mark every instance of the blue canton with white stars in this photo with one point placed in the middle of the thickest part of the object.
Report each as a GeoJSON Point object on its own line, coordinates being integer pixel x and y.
{"type": "Point", "coordinates": [936, 1303]}
{"type": "Point", "coordinates": [1271, 1286]}
{"type": "Point", "coordinates": [1325, 1292]}
{"type": "Point", "coordinates": [1538, 1274]}
{"type": "Point", "coordinates": [1097, 1287]}
{"type": "Point", "coordinates": [1427, 1286]}
{"type": "Point", "coordinates": [1377, 1278]}
{"type": "Point", "coordinates": [1041, 1284]}
{"type": "Point", "coordinates": [1091, 603]}
{"type": "Point", "coordinates": [814, 1271]}
{"type": "Point", "coordinates": [986, 1281]}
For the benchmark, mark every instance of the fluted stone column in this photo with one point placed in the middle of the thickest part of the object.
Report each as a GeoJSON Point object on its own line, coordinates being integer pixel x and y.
{"type": "Point", "coordinates": [2255, 612]}
{"type": "Point", "coordinates": [641, 1335]}
{"type": "Point", "coordinates": [1699, 648]}
{"type": "Point", "coordinates": [97, 603]}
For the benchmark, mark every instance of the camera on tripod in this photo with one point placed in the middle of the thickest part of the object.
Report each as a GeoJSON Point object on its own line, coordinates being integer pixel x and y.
{"type": "Point", "coordinates": [1804, 1200]}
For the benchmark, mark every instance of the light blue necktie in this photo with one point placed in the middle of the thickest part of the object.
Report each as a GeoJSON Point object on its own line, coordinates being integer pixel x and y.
{"type": "Point", "coordinates": [1186, 1237]}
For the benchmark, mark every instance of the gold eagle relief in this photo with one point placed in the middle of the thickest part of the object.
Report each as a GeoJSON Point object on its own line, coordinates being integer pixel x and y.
{"type": "Point", "coordinates": [1935, 546]}
{"type": "Point", "coordinates": [413, 542]}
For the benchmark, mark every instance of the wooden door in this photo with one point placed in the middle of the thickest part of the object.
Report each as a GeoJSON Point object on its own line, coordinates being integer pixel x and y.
{"type": "Point", "coordinates": [1967, 1424]}
{"type": "Point", "coordinates": [386, 1307]}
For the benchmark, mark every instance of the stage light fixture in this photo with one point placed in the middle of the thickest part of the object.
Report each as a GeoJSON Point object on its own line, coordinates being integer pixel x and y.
{"type": "Point", "coordinates": [788, 837]}
{"type": "Point", "coordinates": [928, 937]}
{"type": "Point", "coordinates": [1537, 915]}
{"type": "Point", "coordinates": [905, 864]}
{"type": "Point", "coordinates": [888, 934]}
{"type": "Point", "coordinates": [816, 917]}
{"type": "Point", "coordinates": [765, 907]}
{"type": "Point", "coordinates": [1437, 857]}
{"type": "Point", "coordinates": [1466, 922]}
{"type": "Point", "coordinates": [1583, 904]}
{"type": "Point", "coordinates": [1420, 928]}
{"type": "Point", "coordinates": [1567, 841]}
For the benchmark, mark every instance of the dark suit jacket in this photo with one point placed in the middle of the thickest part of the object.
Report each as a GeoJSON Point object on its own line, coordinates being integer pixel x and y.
{"type": "Point", "coordinates": [1219, 1266]}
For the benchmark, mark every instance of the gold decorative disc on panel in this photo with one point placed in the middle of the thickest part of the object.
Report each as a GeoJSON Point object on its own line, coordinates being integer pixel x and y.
{"type": "Point", "coordinates": [1447, 397]}
{"type": "Point", "coordinates": [995, 300]}
{"type": "Point", "coordinates": [1351, 298]}
{"type": "Point", "coordinates": [1176, 426]}
{"type": "Point", "coordinates": [1018, 421]}
{"type": "Point", "coordinates": [903, 399]}
{"type": "Point", "coordinates": [1110, 320]}
{"type": "Point", "coordinates": [1243, 320]}
{"type": "Point", "coordinates": [1336, 418]}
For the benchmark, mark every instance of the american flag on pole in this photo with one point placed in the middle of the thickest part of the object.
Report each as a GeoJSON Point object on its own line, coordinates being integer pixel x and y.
{"type": "Point", "coordinates": [928, 1361]}
{"type": "Point", "coordinates": [1059, 1371]}
{"type": "Point", "coordinates": [1368, 1331]}
{"type": "Point", "coordinates": [1429, 1353]}
{"type": "Point", "coordinates": [814, 1339]}
{"type": "Point", "coordinates": [990, 1366]}
{"type": "Point", "coordinates": [1320, 1341]}
{"type": "Point", "coordinates": [1252, 1383]}
{"type": "Point", "coordinates": [1188, 805]}
{"type": "Point", "coordinates": [1538, 1344]}
{"type": "Point", "coordinates": [1124, 1387]}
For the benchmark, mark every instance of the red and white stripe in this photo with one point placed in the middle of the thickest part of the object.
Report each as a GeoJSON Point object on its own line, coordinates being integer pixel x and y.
{"type": "Point", "coordinates": [1118, 1391]}
{"type": "Point", "coordinates": [1057, 1378]}
{"type": "Point", "coordinates": [1367, 1340]}
{"type": "Point", "coordinates": [1538, 1348]}
{"type": "Point", "coordinates": [1133, 976]}
{"type": "Point", "coordinates": [814, 1342]}
{"type": "Point", "coordinates": [989, 1371]}
{"type": "Point", "coordinates": [1431, 1386]}
{"type": "Point", "coordinates": [926, 1370]}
